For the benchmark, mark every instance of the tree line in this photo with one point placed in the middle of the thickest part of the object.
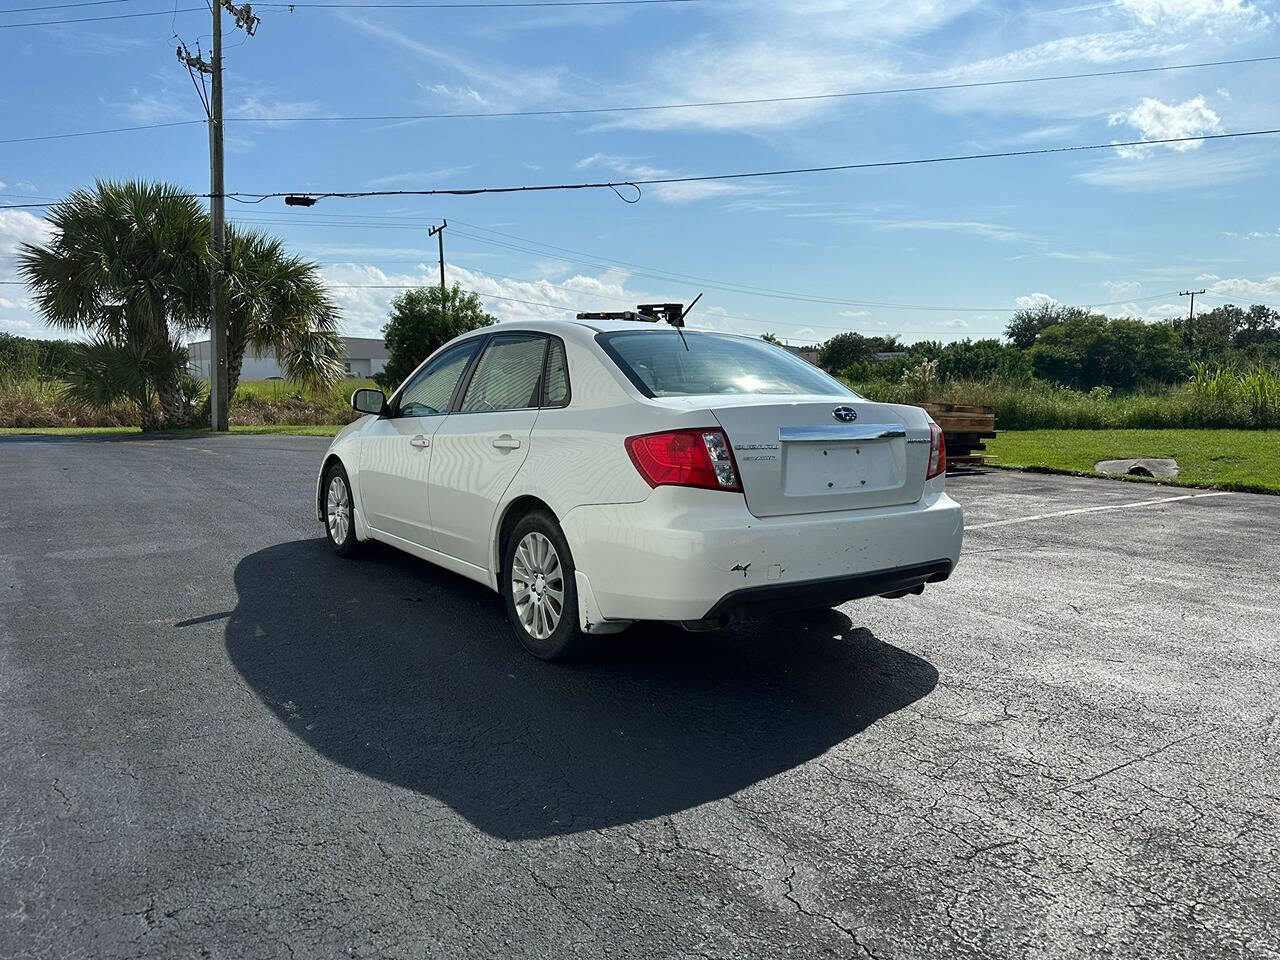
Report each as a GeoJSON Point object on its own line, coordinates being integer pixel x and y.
{"type": "Point", "coordinates": [1073, 347]}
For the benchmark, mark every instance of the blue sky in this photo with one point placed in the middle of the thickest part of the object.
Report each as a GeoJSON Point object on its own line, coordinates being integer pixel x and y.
{"type": "Point", "coordinates": [1129, 227]}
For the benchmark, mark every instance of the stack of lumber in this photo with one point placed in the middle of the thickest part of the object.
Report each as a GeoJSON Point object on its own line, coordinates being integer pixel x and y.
{"type": "Point", "coordinates": [965, 429]}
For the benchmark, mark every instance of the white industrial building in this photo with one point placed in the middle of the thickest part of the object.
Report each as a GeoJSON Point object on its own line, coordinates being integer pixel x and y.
{"type": "Point", "coordinates": [365, 356]}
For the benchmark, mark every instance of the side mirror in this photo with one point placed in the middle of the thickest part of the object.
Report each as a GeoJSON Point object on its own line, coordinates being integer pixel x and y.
{"type": "Point", "coordinates": [367, 400]}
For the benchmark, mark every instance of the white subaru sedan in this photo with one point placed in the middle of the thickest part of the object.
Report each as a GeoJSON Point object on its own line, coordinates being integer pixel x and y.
{"type": "Point", "coordinates": [600, 472]}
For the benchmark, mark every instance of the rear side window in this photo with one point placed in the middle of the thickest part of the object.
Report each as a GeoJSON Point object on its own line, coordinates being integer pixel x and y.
{"type": "Point", "coordinates": [659, 364]}
{"type": "Point", "coordinates": [508, 374]}
{"type": "Point", "coordinates": [555, 391]}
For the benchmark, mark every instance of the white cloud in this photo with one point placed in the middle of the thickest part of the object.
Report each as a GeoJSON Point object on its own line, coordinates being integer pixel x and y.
{"type": "Point", "coordinates": [1054, 105]}
{"type": "Point", "coordinates": [421, 177]}
{"type": "Point", "coordinates": [163, 107]}
{"type": "Point", "coordinates": [977, 228]}
{"type": "Point", "coordinates": [1079, 256]}
{"type": "Point", "coordinates": [1163, 311]}
{"type": "Point", "coordinates": [18, 226]}
{"type": "Point", "coordinates": [1119, 289]}
{"type": "Point", "coordinates": [1241, 287]}
{"type": "Point", "coordinates": [364, 293]}
{"type": "Point", "coordinates": [770, 49]}
{"type": "Point", "coordinates": [495, 85]}
{"type": "Point", "coordinates": [1032, 300]}
{"type": "Point", "coordinates": [28, 326]}
{"type": "Point", "coordinates": [1177, 14]}
{"type": "Point", "coordinates": [262, 105]}
{"type": "Point", "coordinates": [1156, 120]}
{"type": "Point", "coordinates": [467, 97]}
{"type": "Point", "coordinates": [852, 313]}
{"type": "Point", "coordinates": [1176, 171]}
{"type": "Point", "coordinates": [956, 323]}
{"type": "Point", "coordinates": [1253, 234]}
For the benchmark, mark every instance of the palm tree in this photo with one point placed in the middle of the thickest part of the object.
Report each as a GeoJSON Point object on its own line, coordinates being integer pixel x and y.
{"type": "Point", "coordinates": [126, 265]}
{"type": "Point", "coordinates": [277, 302]}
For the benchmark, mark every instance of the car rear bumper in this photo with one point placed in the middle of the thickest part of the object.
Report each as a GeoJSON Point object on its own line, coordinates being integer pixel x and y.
{"type": "Point", "coordinates": [827, 592]}
{"type": "Point", "coordinates": [690, 555]}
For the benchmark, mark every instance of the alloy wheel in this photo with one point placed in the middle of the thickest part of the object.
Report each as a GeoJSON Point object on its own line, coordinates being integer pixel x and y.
{"type": "Point", "coordinates": [537, 585]}
{"type": "Point", "coordinates": [338, 511]}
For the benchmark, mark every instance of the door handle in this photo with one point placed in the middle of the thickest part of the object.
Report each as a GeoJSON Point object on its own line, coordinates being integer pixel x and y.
{"type": "Point", "coordinates": [506, 442]}
{"type": "Point", "coordinates": [421, 441]}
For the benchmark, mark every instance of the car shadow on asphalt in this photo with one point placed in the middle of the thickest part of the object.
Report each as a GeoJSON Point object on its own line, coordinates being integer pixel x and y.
{"type": "Point", "coordinates": [407, 673]}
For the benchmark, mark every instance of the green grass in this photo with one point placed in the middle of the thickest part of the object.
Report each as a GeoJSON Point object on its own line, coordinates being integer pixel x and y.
{"type": "Point", "coordinates": [67, 431]}
{"type": "Point", "coordinates": [1223, 459]}
{"type": "Point", "coordinates": [289, 430]}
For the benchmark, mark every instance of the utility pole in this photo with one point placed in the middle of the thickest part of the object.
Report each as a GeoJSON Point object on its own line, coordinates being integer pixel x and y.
{"type": "Point", "coordinates": [438, 233]}
{"type": "Point", "coordinates": [219, 384]}
{"type": "Point", "coordinates": [1191, 313]}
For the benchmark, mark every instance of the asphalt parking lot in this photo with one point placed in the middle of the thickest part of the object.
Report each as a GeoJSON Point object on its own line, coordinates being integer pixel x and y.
{"type": "Point", "coordinates": [218, 740]}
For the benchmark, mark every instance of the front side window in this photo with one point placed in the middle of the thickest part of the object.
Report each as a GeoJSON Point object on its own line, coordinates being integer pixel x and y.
{"type": "Point", "coordinates": [431, 390]}
{"type": "Point", "coordinates": [508, 376]}
{"type": "Point", "coordinates": [661, 364]}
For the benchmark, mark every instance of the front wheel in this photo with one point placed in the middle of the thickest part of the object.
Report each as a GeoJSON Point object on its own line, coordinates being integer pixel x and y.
{"type": "Point", "coordinates": [539, 589]}
{"type": "Point", "coordinates": [339, 518]}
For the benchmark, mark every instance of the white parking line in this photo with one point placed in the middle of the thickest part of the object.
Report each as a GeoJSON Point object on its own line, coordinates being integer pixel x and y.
{"type": "Point", "coordinates": [1110, 506]}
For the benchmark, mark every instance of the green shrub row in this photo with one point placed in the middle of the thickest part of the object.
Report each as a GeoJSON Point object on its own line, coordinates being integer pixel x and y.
{"type": "Point", "coordinates": [1221, 398]}
{"type": "Point", "coordinates": [35, 403]}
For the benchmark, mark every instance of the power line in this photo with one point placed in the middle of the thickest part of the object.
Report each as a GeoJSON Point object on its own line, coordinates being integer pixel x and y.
{"type": "Point", "coordinates": [587, 111]}
{"type": "Point", "coordinates": [116, 16]}
{"type": "Point", "coordinates": [334, 6]}
{"type": "Point", "coordinates": [96, 133]}
{"type": "Point", "coordinates": [614, 185]}
{"type": "Point", "coordinates": [243, 196]}
{"type": "Point", "coordinates": [471, 6]}
{"type": "Point", "coordinates": [758, 101]}
{"type": "Point", "coordinates": [63, 6]}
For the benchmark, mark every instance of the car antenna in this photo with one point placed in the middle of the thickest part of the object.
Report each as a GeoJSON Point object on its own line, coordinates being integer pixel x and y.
{"type": "Point", "coordinates": [684, 313]}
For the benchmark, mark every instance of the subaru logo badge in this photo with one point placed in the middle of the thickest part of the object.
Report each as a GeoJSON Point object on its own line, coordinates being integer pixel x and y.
{"type": "Point", "coordinates": [845, 414]}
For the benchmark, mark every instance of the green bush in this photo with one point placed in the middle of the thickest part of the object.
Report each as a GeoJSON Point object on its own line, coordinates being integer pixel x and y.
{"type": "Point", "coordinates": [1217, 398]}
{"type": "Point", "coordinates": [22, 358]}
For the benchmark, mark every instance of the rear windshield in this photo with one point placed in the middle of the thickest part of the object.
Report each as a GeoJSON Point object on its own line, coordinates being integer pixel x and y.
{"type": "Point", "coordinates": [660, 366]}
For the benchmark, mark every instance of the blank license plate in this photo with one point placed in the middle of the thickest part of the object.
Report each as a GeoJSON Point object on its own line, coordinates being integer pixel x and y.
{"type": "Point", "coordinates": [816, 468]}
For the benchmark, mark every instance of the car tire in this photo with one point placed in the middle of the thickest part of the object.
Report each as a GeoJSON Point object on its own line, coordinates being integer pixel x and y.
{"type": "Point", "coordinates": [339, 512]}
{"type": "Point", "coordinates": [540, 590]}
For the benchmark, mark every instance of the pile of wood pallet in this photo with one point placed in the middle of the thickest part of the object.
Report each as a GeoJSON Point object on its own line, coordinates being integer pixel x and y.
{"type": "Point", "coordinates": [965, 429]}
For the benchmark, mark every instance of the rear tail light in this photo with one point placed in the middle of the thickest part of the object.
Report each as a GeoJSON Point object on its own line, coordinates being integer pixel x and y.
{"type": "Point", "coordinates": [685, 458]}
{"type": "Point", "coordinates": [937, 451]}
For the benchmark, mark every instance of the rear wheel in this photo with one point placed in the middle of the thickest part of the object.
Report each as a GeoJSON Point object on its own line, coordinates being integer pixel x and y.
{"type": "Point", "coordinates": [539, 589]}
{"type": "Point", "coordinates": [339, 518]}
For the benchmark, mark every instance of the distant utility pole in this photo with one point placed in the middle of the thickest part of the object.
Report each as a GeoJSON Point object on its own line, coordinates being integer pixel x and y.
{"type": "Point", "coordinates": [219, 384]}
{"type": "Point", "coordinates": [438, 233]}
{"type": "Point", "coordinates": [1191, 313]}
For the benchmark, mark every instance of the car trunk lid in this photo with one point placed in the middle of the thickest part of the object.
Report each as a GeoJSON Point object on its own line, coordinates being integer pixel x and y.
{"type": "Point", "coordinates": [824, 455]}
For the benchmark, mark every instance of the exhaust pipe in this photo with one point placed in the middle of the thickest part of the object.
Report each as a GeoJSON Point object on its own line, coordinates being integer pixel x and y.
{"type": "Point", "coordinates": [898, 594]}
